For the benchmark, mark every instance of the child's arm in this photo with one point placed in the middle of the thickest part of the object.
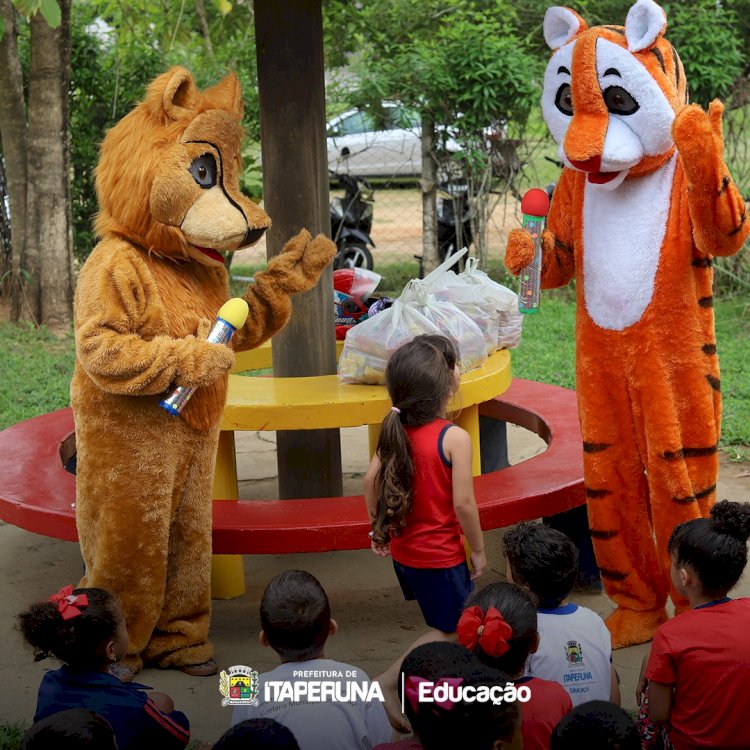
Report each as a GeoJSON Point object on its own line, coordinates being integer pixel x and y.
{"type": "Point", "coordinates": [659, 674]}
{"type": "Point", "coordinates": [372, 490]}
{"type": "Point", "coordinates": [614, 691]}
{"type": "Point", "coordinates": [167, 730]}
{"type": "Point", "coordinates": [659, 701]}
{"type": "Point", "coordinates": [457, 448]}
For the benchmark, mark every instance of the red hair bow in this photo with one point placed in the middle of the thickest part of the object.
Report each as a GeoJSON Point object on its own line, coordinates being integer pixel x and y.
{"type": "Point", "coordinates": [68, 603]}
{"type": "Point", "coordinates": [487, 630]}
{"type": "Point", "coordinates": [411, 690]}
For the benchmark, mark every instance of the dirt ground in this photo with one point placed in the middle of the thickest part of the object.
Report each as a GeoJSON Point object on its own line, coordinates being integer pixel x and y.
{"type": "Point", "coordinates": [376, 624]}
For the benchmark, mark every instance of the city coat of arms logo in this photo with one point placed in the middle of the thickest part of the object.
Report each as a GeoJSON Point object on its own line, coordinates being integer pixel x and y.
{"type": "Point", "coordinates": [573, 652]}
{"type": "Point", "coordinates": [239, 686]}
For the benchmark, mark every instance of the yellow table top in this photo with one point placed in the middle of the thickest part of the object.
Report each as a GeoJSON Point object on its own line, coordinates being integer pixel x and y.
{"type": "Point", "coordinates": [260, 357]}
{"type": "Point", "coordinates": [324, 402]}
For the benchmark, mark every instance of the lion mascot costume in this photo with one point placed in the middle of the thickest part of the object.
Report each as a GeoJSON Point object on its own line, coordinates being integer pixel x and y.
{"type": "Point", "coordinates": [168, 188]}
{"type": "Point", "coordinates": [644, 203]}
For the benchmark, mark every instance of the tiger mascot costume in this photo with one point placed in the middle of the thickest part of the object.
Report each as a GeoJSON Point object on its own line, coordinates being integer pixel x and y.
{"type": "Point", "coordinates": [643, 204]}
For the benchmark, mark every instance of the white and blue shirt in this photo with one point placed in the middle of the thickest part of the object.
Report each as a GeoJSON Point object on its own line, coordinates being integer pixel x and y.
{"type": "Point", "coordinates": [575, 649]}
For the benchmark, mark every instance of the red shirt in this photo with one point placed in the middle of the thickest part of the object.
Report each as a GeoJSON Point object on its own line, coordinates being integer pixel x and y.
{"type": "Point", "coordinates": [432, 535]}
{"type": "Point", "coordinates": [540, 715]}
{"type": "Point", "coordinates": [705, 654]}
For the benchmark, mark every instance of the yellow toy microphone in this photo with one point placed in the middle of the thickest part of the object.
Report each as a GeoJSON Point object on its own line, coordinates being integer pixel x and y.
{"type": "Point", "coordinates": [231, 316]}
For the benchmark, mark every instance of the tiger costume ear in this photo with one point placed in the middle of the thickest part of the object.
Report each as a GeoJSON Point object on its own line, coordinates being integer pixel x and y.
{"type": "Point", "coordinates": [561, 25]}
{"type": "Point", "coordinates": [645, 24]}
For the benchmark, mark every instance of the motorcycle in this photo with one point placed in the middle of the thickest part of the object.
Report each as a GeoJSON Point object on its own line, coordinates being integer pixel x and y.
{"type": "Point", "coordinates": [453, 221]}
{"type": "Point", "coordinates": [453, 234]}
{"type": "Point", "coordinates": [351, 223]}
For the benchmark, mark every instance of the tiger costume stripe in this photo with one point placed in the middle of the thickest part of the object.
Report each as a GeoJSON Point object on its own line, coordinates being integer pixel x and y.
{"type": "Point", "coordinates": [644, 202]}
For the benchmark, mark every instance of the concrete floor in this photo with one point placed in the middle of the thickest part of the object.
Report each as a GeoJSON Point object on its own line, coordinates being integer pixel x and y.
{"type": "Point", "coordinates": [376, 624]}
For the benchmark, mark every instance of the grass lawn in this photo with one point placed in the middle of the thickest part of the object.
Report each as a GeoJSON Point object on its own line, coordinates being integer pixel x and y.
{"type": "Point", "coordinates": [35, 368]}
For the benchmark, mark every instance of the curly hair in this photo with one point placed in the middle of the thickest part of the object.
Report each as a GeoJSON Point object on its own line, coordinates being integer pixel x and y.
{"type": "Point", "coordinates": [716, 547]}
{"type": "Point", "coordinates": [420, 380]}
{"type": "Point", "coordinates": [74, 641]}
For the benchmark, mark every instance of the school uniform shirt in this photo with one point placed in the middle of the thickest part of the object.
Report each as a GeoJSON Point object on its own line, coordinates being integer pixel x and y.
{"type": "Point", "coordinates": [432, 535]}
{"type": "Point", "coordinates": [328, 725]}
{"type": "Point", "coordinates": [540, 715]}
{"type": "Point", "coordinates": [705, 654]}
{"type": "Point", "coordinates": [575, 650]}
{"type": "Point", "coordinates": [136, 721]}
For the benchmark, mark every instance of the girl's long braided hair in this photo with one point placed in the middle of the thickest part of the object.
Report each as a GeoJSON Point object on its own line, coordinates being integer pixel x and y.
{"type": "Point", "coordinates": [420, 380]}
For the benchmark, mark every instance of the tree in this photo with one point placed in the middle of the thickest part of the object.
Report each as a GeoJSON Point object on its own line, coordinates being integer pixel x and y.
{"type": "Point", "coordinates": [465, 69]}
{"type": "Point", "coordinates": [34, 131]}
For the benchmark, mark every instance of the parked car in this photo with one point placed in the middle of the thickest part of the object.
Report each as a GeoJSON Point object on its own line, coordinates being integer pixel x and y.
{"type": "Point", "coordinates": [387, 146]}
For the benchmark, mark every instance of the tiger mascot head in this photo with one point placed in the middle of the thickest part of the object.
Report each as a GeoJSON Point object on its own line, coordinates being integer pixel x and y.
{"type": "Point", "coordinates": [611, 92]}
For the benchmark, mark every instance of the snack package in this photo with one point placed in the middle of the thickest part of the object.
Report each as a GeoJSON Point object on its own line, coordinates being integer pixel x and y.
{"type": "Point", "coordinates": [451, 321]}
{"type": "Point", "coordinates": [369, 344]}
{"type": "Point", "coordinates": [510, 320]}
{"type": "Point", "coordinates": [479, 301]}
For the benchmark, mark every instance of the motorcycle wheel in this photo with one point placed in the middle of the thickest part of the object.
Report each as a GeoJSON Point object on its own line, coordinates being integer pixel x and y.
{"type": "Point", "coordinates": [353, 255]}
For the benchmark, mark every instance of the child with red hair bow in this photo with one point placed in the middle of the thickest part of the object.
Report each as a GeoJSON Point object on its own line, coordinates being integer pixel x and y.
{"type": "Point", "coordinates": [85, 629]}
{"type": "Point", "coordinates": [500, 627]}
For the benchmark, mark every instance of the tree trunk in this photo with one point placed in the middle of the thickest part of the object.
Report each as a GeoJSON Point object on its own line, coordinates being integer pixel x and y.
{"type": "Point", "coordinates": [428, 183]}
{"type": "Point", "coordinates": [48, 253]}
{"type": "Point", "coordinates": [13, 135]}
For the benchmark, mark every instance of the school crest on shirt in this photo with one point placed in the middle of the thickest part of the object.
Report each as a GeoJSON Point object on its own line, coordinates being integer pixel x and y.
{"type": "Point", "coordinates": [574, 653]}
{"type": "Point", "coordinates": [239, 686]}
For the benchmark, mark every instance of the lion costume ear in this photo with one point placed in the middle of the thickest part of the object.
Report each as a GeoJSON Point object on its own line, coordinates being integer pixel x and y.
{"type": "Point", "coordinates": [646, 22]}
{"type": "Point", "coordinates": [177, 91]}
{"type": "Point", "coordinates": [561, 25]}
{"type": "Point", "coordinates": [227, 94]}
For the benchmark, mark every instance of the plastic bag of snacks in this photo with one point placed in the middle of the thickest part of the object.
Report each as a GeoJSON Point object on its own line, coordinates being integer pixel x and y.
{"type": "Point", "coordinates": [451, 322]}
{"type": "Point", "coordinates": [510, 321]}
{"type": "Point", "coordinates": [369, 344]}
{"type": "Point", "coordinates": [479, 301]}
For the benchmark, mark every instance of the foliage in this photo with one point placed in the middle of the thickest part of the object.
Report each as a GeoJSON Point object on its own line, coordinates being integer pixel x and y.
{"type": "Point", "coordinates": [35, 372]}
{"type": "Point", "coordinates": [710, 47]}
{"type": "Point", "coordinates": [117, 48]}
{"type": "Point", "coordinates": [48, 8]}
{"type": "Point", "coordinates": [11, 736]}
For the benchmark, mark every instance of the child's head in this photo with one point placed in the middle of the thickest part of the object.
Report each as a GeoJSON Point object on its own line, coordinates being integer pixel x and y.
{"type": "Point", "coordinates": [295, 616]}
{"type": "Point", "coordinates": [73, 728]}
{"type": "Point", "coordinates": [713, 550]}
{"type": "Point", "coordinates": [499, 625]}
{"type": "Point", "coordinates": [598, 724]}
{"type": "Point", "coordinates": [420, 376]}
{"type": "Point", "coordinates": [259, 734]}
{"type": "Point", "coordinates": [442, 726]}
{"type": "Point", "coordinates": [543, 560]}
{"type": "Point", "coordinates": [84, 628]}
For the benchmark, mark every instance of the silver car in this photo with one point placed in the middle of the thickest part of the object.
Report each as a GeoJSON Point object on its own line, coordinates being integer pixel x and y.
{"type": "Point", "coordinates": [357, 144]}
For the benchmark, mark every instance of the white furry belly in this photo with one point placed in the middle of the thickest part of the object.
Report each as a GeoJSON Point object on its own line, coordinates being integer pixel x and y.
{"type": "Point", "coordinates": [623, 231]}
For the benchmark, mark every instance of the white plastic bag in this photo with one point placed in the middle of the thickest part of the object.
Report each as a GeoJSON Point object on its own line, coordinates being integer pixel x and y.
{"type": "Point", "coordinates": [369, 345]}
{"type": "Point", "coordinates": [479, 301]}
{"type": "Point", "coordinates": [450, 321]}
{"type": "Point", "coordinates": [510, 320]}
